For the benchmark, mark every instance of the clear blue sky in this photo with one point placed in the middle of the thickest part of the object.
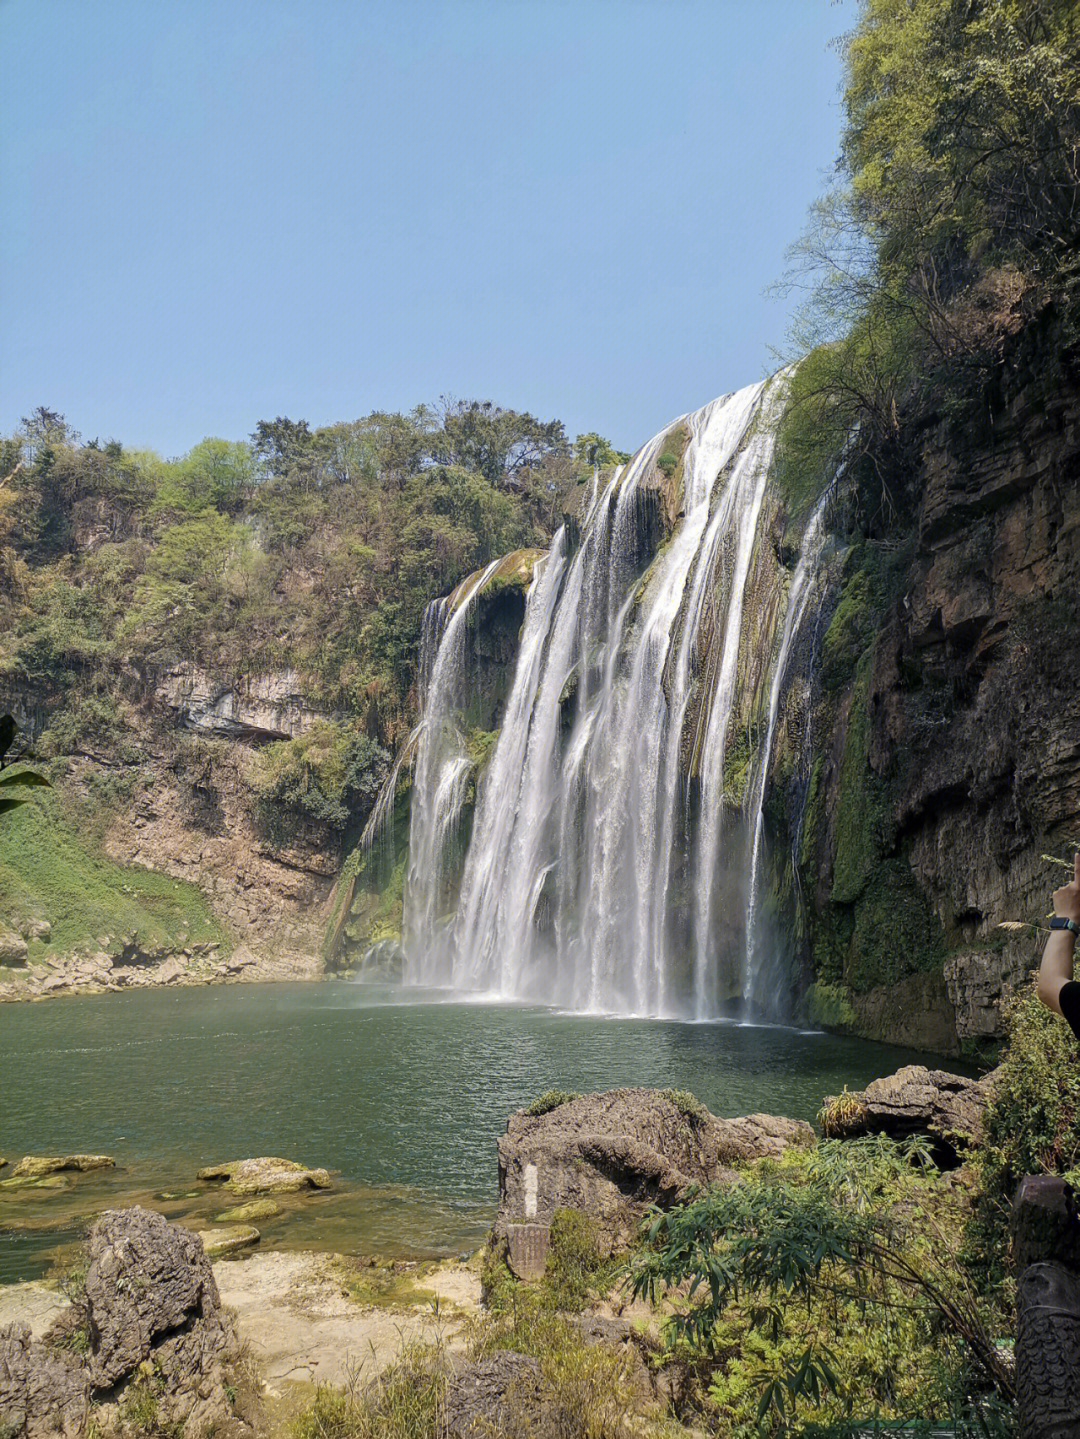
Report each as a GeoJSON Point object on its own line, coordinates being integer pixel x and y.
{"type": "Point", "coordinates": [214, 213]}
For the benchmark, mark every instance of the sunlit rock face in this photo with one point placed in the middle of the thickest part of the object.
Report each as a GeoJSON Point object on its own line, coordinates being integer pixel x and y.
{"type": "Point", "coordinates": [260, 707]}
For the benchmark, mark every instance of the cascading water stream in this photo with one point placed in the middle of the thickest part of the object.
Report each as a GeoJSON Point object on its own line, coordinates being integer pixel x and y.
{"type": "Point", "coordinates": [585, 830]}
{"type": "Point", "coordinates": [804, 587]}
{"type": "Point", "coordinates": [441, 774]}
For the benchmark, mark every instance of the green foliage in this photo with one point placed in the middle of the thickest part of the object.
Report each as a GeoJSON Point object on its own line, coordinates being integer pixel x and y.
{"type": "Point", "coordinates": [575, 1267]}
{"type": "Point", "coordinates": [127, 564]}
{"type": "Point", "coordinates": [952, 222]}
{"type": "Point", "coordinates": [688, 1105]}
{"type": "Point", "coordinates": [12, 785]}
{"type": "Point", "coordinates": [593, 450]}
{"type": "Point", "coordinates": [50, 866]}
{"type": "Point", "coordinates": [589, 1395]}
{"type": "Point", "coordinates": [1033, 1121]}
{"type": "Point", "coordinates": [549, 1100]}
{"type": "Point", "coordinates": [405, 1403]}
{"type": "Point", "coordinates": [330, 774]}
{"type": "Point", "coordinates": [826, 1287]}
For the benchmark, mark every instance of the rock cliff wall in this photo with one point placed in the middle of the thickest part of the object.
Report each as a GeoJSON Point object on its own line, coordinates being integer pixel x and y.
{"type": "Point", "coordinates": [949, 759]}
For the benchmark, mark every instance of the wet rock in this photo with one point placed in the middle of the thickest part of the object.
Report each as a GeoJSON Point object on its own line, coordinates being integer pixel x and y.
{"type": "Point", "coordinates": [247, 1213]}
{"type": "Point", "coordinates": [949, 1108]}
{"type": "Point", "coordinates": [42, 1390]}
{"type": "Point", "coordinates": [13, 948]}
{"type": "Point", "coordinates": [34, 1166]}
{"type": "Point", "coordinates": [151, 1296]}
{"type": "Point", "coordinates": [266, 1176]}
{"type": "Point", "coordinates": [30, 1181]}
{"type": "Point", "coordinates": [610, 1155]}
{"type": "Point", "coordinates": [230, 1239]}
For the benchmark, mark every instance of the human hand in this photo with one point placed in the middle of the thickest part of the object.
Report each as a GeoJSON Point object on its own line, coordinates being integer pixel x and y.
{"type": "Point", "coordinates": [1067, 898]}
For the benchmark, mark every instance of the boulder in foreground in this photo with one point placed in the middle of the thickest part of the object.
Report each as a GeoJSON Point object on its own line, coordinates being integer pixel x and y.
{"type": "Point", "coordinates": [43, 1390]}
{"type": "Point", "coordinates": [148, 1334]}
{"type": "Point", "coordinates": [610, 1155]}
{"type": "Point", "coordinates": [266, 1176]}
{"type": "Point", "coordinates": [949, 1108]}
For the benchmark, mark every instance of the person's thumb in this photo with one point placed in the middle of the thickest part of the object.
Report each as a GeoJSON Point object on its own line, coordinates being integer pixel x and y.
{"type": "Point", "coordinates": [1076, 869]}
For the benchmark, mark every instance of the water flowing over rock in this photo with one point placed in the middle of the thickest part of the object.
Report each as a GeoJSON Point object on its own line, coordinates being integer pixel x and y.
{"type": "Point", "coordinates": [613, 864]}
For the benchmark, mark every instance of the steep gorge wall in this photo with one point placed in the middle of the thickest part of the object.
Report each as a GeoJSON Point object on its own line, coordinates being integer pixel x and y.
{"type": "Point", "coordinates": [950, 721]}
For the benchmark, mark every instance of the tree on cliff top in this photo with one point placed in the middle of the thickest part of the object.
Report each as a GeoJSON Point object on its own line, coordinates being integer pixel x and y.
{"type": "Point", "coordinates": [956, 215]}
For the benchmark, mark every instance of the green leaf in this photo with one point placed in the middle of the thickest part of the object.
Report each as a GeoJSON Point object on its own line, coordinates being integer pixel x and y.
{"type": "Point", "coordinates": [10, 801]}
{"type": "Point", "coordinates": [26, 776]}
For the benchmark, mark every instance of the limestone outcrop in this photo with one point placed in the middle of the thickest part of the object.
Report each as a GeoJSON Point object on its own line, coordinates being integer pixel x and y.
{"type": "Point", "coordinates": [266, 706]}
{"type": "Point", "coordinates": [13, 948]}
{"type": "Point", "coordinates": [43, 1390]}
{"type": "Point", "coordinates": [949, 1108]}
{"type": "Point", "coordinates": [610, 1155]}
{"type": "Point", "coordinates": [152, 1336]}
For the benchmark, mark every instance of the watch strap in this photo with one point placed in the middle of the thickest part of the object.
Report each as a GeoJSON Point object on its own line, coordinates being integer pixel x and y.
{"type": "Point", "coordinates": [1058, 921]}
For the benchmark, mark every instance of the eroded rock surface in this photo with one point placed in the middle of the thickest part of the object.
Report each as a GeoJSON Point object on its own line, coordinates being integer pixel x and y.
{"type": "Point", "coordinates": [43, 1390]}
{"type": "Point", "coordinates": [609, 1155]}
{"type": "Point", "coordinates": [501, 1394]}
{"type": "Point", "coordinates": [151, 1328]}
{"type": "Point", "coordinates": [949, 1108]}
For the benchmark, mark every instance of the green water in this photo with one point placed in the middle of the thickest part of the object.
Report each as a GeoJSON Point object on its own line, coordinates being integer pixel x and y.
{"type": "Point", "coordinates": [403, 1100]}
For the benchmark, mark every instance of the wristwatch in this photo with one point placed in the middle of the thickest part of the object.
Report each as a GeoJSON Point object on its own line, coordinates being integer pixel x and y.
{"type": "Point", "coordinates": [1058, 921]}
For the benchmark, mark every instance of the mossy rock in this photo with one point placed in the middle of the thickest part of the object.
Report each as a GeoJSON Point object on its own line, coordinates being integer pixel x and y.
{"type": "Point", "coordinates": [829, 1005]}
{"type": "Point", "coordinates": [36, 1165]}
{"type": "Point", "coordinates": [26, 1181]}
{"type": "Point", "coordinates": [220, 1242]}
{"type": "Point", "coordinates": [248, 1213]}
{"type": "Point", "coordinates": [267, 1175]}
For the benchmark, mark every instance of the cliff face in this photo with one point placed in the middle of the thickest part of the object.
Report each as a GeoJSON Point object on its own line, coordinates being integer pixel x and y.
{"type": "Point", "coordinates": [952, 758]}
{"type": "Point", "coordinates": [174, 791]}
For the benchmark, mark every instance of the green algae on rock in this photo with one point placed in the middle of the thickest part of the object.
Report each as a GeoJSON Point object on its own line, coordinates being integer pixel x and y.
{"type": "Point", "coordinates": [267, 1175]}
{"type": "Point", "coordinates": [245, 1213]}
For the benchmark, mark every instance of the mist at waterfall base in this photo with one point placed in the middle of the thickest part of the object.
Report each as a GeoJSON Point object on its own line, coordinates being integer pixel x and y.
{"type": "Point", "coordinates": [602, 866]}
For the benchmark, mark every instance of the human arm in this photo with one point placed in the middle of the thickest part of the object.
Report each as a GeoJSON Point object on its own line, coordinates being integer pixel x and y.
{"type": "Point", "coordinates": [1056, 969]}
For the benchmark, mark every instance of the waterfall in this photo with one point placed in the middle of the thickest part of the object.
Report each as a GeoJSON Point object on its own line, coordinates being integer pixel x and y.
{"type": "Point", "coordinates": [441, 773]}
{"type": "Point", "coordinates": [805, 586]}
{"type": "Point", "coordinates": [597, 873]}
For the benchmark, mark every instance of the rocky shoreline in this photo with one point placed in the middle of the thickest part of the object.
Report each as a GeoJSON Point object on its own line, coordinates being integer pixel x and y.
{"type": "Point", "coordinates": [143, 1319]}
{"type": "Point", "coordinates": [108, 971]}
